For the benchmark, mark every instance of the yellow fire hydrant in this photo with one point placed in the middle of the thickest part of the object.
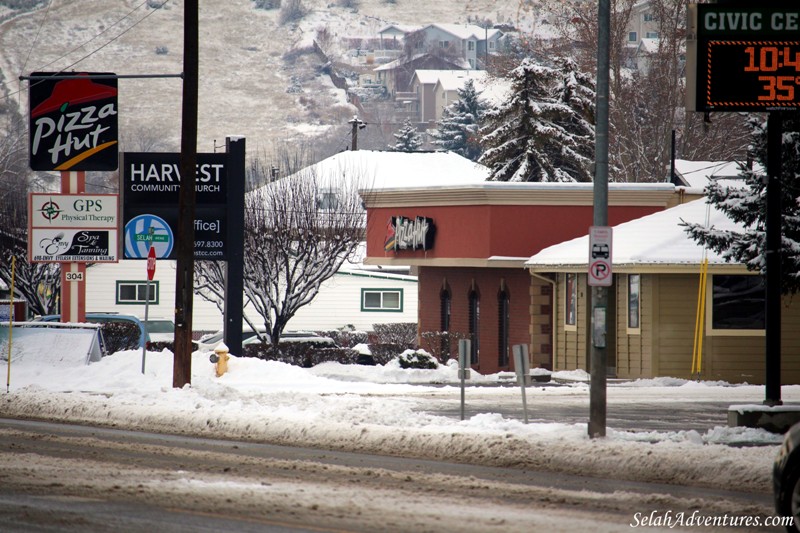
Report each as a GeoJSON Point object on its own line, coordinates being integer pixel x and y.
{"type": "Point", "coordinates": [220, 359]}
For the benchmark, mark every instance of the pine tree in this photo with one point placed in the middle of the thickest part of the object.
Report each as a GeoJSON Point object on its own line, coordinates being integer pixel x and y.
{"type": "Point", "coordinates": [408, 138]}
{"type": "Point", "coordinates": [458, 128]}
{"type": "Point", "coordinates": [747, 206]}
{"type": "Point", "coordinates": [545, 130]}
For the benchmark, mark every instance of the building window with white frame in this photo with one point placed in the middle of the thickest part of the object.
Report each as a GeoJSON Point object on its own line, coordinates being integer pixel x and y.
{"type": "Point", "coordinates": [634, 309]}
{"type": "Point", "coordinates": [382, 300]}
{"type": "Point", "coordinates": [135, 292]}
{"type": "Point", "coordinates": [632, 37]}
{"type": "Point", "coordinates": [571, 294]}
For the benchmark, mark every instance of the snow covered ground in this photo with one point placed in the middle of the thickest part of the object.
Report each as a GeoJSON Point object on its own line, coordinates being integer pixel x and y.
{"type": "Point", "coordinates": [386, 409]}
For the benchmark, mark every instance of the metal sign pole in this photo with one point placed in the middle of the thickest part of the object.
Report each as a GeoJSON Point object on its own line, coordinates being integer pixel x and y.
{"type": "Point", "coordinates": [464, 349]}
{"type": "Point", "coordinates": [522, 367]}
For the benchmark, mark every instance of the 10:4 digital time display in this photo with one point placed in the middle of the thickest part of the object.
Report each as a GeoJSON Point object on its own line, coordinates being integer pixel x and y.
{"type": "Point", "coordinates": [750, 75]}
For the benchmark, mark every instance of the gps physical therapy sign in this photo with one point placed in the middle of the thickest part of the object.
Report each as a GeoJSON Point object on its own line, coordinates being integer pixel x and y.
{"type": "Point", "coordinates": [743, 58]}
{"type": "Point", "coordinates": [75, 228]}
{"type": "Point", "coordinates": [73, 121]}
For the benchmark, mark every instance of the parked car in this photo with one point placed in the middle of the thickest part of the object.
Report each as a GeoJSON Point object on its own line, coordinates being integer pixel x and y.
{"type": "Point", "coordinates": [159, 330]}
{"type": "Point", "coordinates": [128, 331]}
{"type": "Point", "coordinates": [786, 478]}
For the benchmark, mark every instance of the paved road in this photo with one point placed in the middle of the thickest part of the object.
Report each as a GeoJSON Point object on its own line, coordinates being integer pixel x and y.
{"type": "Point", "coordinates": [64, 477]}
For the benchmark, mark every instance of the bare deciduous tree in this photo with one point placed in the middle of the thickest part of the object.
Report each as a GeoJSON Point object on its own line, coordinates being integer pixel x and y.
{"type": "Point", "coordinates": [298, 232]}
{"type": "Point", "coordinates": [38, 283]}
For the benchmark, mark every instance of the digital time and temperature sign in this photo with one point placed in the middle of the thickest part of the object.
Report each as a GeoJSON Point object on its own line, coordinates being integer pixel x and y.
{"type": "Point", "coordinates": [743, 58]}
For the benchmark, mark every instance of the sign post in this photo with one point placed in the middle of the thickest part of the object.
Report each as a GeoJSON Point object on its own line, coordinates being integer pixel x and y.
{"type": "Point", "coordinates": [151, 271]}
{"type": "Point", "coordinates": [464, 349]}
{"type": "Point", "coordinates": [522, 366]}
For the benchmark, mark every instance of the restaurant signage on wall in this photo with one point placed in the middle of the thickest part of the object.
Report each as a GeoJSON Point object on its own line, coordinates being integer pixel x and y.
{"type": "Point", "coordinates": [409, 234]}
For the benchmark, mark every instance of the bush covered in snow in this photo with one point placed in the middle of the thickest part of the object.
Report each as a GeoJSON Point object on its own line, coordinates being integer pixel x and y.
{"type": "Point", "coordinates": [417, 359]}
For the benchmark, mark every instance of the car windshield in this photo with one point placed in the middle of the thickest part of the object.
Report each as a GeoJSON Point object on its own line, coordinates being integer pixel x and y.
{"type": "Point", "coordinates": [160, 326]}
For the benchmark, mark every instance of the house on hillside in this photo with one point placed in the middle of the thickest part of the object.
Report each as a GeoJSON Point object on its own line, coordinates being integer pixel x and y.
{"type": "Point", "coordinates": [396, 75]}
{"type": "Point", "coordinates": [653, 316]}
{"type": "Point", "coordinates": [470, 42]}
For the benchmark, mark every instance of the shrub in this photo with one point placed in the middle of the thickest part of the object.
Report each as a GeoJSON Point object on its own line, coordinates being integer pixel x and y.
{"type": "Point", "coordinates": [120, 336]}
{"type": "Point", "coordinates": [443, 345]}
{"type": "Point", "coordinates": [417, 359]}
{"type": "Point", "coordinates": [346, 337]}
{"type": "Point", "coordinates": [292, 11]}
{"type": "Point", "coordinates": [305, 354]}
{"type": "Point", "coordinates": [400, 333]}
{"type": "Point", "coordinates": [267, 4]}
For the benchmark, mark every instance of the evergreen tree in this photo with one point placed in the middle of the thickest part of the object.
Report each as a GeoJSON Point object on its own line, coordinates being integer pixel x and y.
{"type": "Point", "coordinates": [408, 138]}
{"type": "Point", "coordinates": [545, 129]}
{"type": "Point", "coordinates": [458, 128]}
{"type": "Point", "coordinates": [747, 206]}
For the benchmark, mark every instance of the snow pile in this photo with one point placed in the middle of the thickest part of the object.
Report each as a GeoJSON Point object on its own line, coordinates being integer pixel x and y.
{"type": "Point", "coordinates": [380, 409]}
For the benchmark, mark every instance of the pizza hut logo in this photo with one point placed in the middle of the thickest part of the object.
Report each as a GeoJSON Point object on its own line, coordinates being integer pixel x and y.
{"type": "Point", "coordinates": [73, 122]}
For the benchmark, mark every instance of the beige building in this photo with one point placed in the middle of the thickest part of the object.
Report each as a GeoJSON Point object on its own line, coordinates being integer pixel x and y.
{"type": "Point", "coordinates": [653, 324]}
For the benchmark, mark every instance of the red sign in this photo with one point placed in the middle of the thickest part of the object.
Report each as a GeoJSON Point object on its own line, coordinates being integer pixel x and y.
{"type": "Point", "coordinates": [151, 263]}
{"type": "Point", "coordinates": [73, 121]}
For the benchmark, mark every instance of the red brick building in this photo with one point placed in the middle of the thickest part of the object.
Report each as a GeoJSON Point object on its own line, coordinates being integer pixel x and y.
{"type": "Point", "coordinates": [469, 244]}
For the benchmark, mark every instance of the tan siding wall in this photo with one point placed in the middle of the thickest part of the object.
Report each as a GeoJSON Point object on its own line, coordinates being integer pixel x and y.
{"type": "Point", "coordinates": [634, 354]}
{"type": "Point", "coordinates": [571, 345]}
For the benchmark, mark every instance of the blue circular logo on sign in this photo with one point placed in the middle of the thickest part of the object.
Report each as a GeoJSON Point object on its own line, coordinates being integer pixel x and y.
{"type": "Point", "coordinates": [138, 236]}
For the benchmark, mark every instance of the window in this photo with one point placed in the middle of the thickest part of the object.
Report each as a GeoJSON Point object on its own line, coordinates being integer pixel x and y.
{"type": "Point", "coordinates": [444, 44]}
{"type": "Point", "coordinates": [648, 17]}
{"type": "Point", "coordinates": [474, 325]}
{"type": "Point", "coordinates": [135, 292]}
{"type": "Point", "coordinates": [470, 45]}
{"type": "Point", "coordinates": [445, 302]}
{"type": "Point", "coordinates": [571, 293]}
{"type": "Point", "coordinates": [382, 300]}
{"type": "Point", "coordinates": [651, 35]}
{"type": "Point", "coordinates": [503, 328]}
{"type": "Point", "coordinates": [327, 200]}
{"type": "Point", "coordinates": [491, 45]}
{"type": "Point", "coordinates": [634, 312]}
{"type": "Point", "coordinates": [632, 36]}
{"type": "Point", "coordinates": [738, 302]}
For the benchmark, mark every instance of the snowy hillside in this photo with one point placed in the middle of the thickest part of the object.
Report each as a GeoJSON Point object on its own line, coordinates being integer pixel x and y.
{"type": "Point", "coordinates": [258, 78]}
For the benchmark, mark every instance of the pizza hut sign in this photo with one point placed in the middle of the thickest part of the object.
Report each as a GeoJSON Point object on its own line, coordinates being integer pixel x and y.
{"type": "Point", "coordinates": [73, 121]}
{"type": "Point", "coordinates": [409, 234]}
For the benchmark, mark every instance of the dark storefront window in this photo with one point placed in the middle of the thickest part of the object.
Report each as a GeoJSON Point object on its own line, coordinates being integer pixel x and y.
{"type": "Point", "coordinates": [503, 328]}
{"type": "Point", "coordinates": [474, 325]}
{"type": "Point", "coordinates": [570, 317]}
{"type": "Point", "coordinates": [738, 302]}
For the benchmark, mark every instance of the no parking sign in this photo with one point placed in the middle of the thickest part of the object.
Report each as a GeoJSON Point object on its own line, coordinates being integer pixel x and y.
{"type": "Point", "coordinates": [600, 274]}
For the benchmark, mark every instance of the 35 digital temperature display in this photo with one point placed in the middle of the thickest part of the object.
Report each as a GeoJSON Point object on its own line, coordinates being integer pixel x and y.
{"type": "Point", "coordinates": [743, 57]}
{"type": "Point", "coordinates": [753, 75]}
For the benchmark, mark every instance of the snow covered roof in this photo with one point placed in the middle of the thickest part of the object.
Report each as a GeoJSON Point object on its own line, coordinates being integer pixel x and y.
{"type": "Point", "coordinates": [648, 45]}
{"type": "Point", "coordinates": [452, 80]}
{"type": "Point", "coordinates": [400, 28]}
{"type": "Point", "coordinates": [466, 31]}
{"type": "Point", "coordinates": [380, 170]}
{"type": "Point", "coordinates": [428, 77]}
{"type": "Point", "coordinates": [656, 239]}
{"type": "Point", "coordinates": [698, 174]}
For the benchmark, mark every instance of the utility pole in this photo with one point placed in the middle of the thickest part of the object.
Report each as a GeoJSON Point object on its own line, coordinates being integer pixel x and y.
{"type": "Point", "coordinates": [184, 294]}
{"type": "Point", "coordinates": [357, 125]}
{"type": "Point", "coordinates": [773, 232]}
{"type": "Point", "coordinates": [599, 295]}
